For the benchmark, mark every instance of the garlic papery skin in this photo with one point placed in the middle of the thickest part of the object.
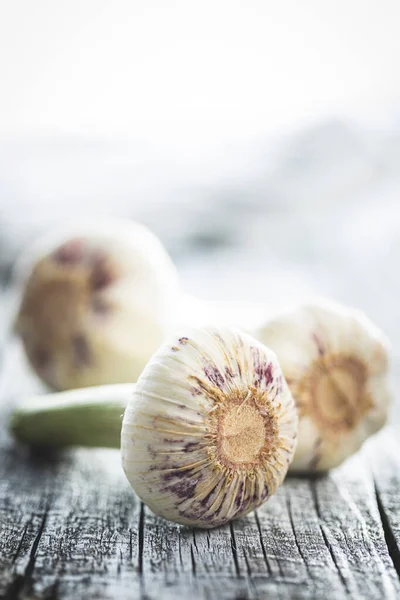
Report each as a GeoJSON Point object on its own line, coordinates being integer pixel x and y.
{"type": "Point", "coordinates": [335, 361]}
{"type": "Point", "coordinates": [211, 428]}
{"type": "Point", "coordinates": [97, 299]}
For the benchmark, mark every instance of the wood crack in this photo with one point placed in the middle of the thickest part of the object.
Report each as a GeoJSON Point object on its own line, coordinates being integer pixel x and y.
{"type": "Point", "coordinates": [249, 571]}
{"type": "Point", "coordinates": [262, 543]}
{"type": "Point", "coordinates": [234, 550]}
{"type": "Point", "coordinates": [141, 539]}
{"type": "Point", "coordinates": [130, 545]}
{"type": "Point", "coordinates": [32, 556]}
{"type": "Point", "coordinates": [289, 506]}
{"type": "Point", "coordinates": [391, 543]}
{"type": "Point", "coordinates": [180, 549]}
{"type": "Point", "coordinates": [193, 560]}
{"type": "Point", "coordinates": [22, 581]}
{"type": "Point", "coordinates": [194, 541]}
{"type": "Point", "coordinates": [325, 537]}
{"type": "Point", "coordinates": [315, 498]}
{"type": "Point", "coordinates": [20, 544]}
{"type": "Point", "coordinates": [334, 559]}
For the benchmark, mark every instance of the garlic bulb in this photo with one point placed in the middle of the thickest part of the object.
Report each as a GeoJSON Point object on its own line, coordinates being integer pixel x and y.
{"type": "Point", "coordinates": [211, 429]}
{"type": "Point", "coordinates": [335, 362]}
{"type": "Point", "coordinates": [208, 433]}
{"type": "Point", "coordinates": [97, 300]}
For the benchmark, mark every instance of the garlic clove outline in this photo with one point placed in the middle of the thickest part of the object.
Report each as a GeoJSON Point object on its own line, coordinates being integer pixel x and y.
{"type": "Point", "coordinates": [97, 299]}
{"type": "Point", "coordinates": [335, 361]}
{"type": "Point", "coordinates": [211, 429]}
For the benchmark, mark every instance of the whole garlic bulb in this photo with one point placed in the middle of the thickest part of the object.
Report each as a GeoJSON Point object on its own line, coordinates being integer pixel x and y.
{"type": "Point", "coordinates": [97, 300]}
{"type": "Point", "coordinates": [335, 362]}
{"type": "Point", "coordinates": [211, 428]}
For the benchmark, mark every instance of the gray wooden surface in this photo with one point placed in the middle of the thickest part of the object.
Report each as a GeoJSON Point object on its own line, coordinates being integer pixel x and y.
{"type": "Point", "coordinates": [71, 527]}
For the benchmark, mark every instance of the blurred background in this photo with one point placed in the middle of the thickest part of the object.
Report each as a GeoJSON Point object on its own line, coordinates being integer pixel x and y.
{"type": "Point", "coordinates": [260, 140]}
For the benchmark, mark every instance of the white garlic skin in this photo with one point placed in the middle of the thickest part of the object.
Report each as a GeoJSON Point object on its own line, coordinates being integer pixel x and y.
{"type": "Point", "coordinates": [335, 361]}
{"type": "Point", "coordinates": [97, 299]}
{"type": "Point", "coordinates": [211, 429]}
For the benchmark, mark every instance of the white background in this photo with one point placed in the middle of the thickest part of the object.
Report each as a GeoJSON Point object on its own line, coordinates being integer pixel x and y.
{"type": "Point", "coordinates": [193, 70]}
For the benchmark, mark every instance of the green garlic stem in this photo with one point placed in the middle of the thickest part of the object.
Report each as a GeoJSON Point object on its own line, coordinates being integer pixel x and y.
{"type": "Point", "coordinates": [85, 417]}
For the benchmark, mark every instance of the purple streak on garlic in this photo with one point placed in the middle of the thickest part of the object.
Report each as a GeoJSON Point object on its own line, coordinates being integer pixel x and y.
{"type": "Point", "coordinates": [211, 429]}
{"type": "Point", "coordinates": [335, 362]}
{"type": "Point", "coordinates": [97, 300]}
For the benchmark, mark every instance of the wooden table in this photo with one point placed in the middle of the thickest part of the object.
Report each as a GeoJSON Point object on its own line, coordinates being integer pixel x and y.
{"type": "Point", "coordinates": [71, 527]}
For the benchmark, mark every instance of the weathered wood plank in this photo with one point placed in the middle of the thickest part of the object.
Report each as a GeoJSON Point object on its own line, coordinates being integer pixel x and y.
{"type": "Point", "coordinates": [386, 470]}
{"type": "Point", "coordinates": [70, 524]}
{"type": "Point", "coordinates": [350, 520]}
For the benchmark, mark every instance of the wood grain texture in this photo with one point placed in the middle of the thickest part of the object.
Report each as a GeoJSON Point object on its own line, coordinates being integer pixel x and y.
{"type": "Point", "coordinates": [71, 527]}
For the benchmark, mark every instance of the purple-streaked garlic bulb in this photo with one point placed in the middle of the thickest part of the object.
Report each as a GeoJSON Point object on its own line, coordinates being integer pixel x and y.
{"type": "Point", "coordinates": [211, 429]}
{"type": "Point", "coordinates": [97, 299]}
{"type": "Point", "coordinates": [335, 362]}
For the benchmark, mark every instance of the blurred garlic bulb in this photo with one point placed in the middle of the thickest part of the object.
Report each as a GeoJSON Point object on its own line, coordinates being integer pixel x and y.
{"type": "Point", "coordinates": [211, 428]}
{"type": "Point", "coordinates": [335, 362]}
{"type": "Point", "coordinates": [97, 300]}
